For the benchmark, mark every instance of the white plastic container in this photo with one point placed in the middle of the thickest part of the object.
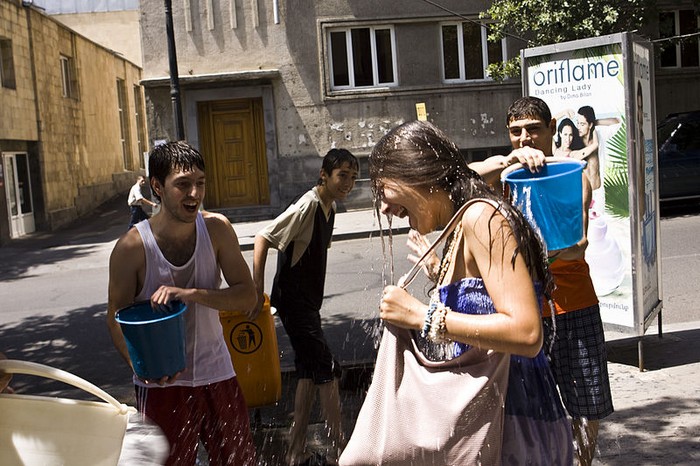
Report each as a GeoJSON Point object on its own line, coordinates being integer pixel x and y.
{"type": "Point", "coordinates": [47, 431]}
{"type": "Point", "coordinates": [604, 257]}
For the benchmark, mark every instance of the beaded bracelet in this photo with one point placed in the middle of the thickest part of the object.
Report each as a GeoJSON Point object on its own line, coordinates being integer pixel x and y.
{"type": "Point", "coordinates": [438, 328]}
{"type": "Point", "coordinates": [429, 318]}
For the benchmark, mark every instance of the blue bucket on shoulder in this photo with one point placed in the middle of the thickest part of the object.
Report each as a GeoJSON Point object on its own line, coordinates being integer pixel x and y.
{"type": "Point", "coordinates": [551, 200]}
{"type": "Point", "coordinates": [155, 339]}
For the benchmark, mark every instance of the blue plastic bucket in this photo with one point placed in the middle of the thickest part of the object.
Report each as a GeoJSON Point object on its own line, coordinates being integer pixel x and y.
{"type": "Point", "coordinates": [551, 200]}
{"type": "Point", "coordinates": [155, 339]}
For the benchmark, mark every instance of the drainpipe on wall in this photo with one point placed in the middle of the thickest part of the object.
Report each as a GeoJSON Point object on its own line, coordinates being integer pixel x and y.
{"type": "Point", "coordinates": [174, 77]}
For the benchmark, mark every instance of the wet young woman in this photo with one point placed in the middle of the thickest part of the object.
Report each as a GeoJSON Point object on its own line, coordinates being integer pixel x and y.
{"type": "Point", "coordinates": [484, 312]}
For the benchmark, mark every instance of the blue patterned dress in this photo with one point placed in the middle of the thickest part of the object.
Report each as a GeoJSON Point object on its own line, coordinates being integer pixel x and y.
{"type": "Point", "coordinates": [536, 429]}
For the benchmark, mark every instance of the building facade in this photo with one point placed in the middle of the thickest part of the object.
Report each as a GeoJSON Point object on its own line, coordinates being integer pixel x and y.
{"type": "Point", "coordinates": [73, 129]}
{"type": "Point", "coordinates": [268, 86]}
{"type": "Point", "coordinates": [677, 69]}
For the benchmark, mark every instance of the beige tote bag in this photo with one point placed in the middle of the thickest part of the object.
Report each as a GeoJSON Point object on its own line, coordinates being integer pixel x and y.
{"type": "Point", "coordinates": [419, 412]}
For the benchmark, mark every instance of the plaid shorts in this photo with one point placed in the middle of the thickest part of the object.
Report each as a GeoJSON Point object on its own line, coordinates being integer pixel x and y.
{"type": "Point", "coordinates": [579, 362]}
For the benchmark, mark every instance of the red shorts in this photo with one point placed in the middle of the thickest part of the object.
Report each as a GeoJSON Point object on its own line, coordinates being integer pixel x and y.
{"type": "Point", "coordinates": [216, 414]}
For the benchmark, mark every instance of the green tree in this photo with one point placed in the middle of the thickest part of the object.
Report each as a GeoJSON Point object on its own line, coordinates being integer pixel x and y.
{"type": "Point", "coordinates": [542, 22]}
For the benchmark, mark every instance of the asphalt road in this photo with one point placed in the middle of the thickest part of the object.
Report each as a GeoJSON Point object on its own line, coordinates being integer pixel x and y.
{"type": "Point", "coordinates": [680, 263]}
{"type": "Point", "coordinates": [53, 300]}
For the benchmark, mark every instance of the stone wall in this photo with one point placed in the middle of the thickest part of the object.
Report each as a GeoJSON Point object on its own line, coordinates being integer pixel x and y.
{"type": "Point", "coordinates": [74, 141]}
{"type": "Point", "coordinates": [81, 136]}
{"type": "Point", "coordinates": [307, 120]}
{"type": "Point", "coordinates": [17, 109]}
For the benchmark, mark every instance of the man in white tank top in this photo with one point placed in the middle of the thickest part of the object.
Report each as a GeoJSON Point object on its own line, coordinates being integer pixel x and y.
{"type": "Point", "coordinates": [180, 254]}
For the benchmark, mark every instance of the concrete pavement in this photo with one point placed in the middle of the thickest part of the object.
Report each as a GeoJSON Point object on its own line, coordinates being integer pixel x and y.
{"type": "Point", "coordinates": [111, 219]}
{"type": "Point", "coordinates": [352, 224]}
{"type": "Point", "coordinates": [657, 417]}
{"type": "Point", "coordinates": [657, 411]}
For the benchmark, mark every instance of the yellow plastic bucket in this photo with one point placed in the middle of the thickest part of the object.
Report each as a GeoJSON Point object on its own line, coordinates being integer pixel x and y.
{"type": "Point", "coordinates": [255, 355]}
{"type": "Point", "coordinates": [47, 431]}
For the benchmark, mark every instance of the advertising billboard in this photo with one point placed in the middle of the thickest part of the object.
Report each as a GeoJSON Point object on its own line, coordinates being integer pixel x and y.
{"type": "Point", "coordinates": [601, 93]}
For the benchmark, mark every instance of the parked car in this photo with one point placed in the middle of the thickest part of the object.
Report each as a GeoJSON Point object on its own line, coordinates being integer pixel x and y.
{"type": "Point", "coordinates": [678, 137]}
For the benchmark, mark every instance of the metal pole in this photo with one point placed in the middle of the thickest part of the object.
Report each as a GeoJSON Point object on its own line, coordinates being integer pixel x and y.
{"type": "Point", "coordinates": [174, 78]}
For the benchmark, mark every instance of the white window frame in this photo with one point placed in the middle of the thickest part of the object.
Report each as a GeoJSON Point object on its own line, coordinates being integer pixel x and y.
{"type": "Point", "coordinates": [123, 108]}
{"type": "Point", "coordinates": [373, 51]}
{"type": "Point", "coordinates": [460, 50]}
{"type": "Point", "coordinates": [140, 126]}
{"type": "Point", "coordinates": [66, 76]}
{"type": "Point", "coordinates": [676, 32]}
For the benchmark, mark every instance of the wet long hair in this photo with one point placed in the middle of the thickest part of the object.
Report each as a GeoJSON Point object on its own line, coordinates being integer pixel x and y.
{"type": "Point", "coordinates": [172, 156]}
{"type": "Point", "coordinates": [420, 155]}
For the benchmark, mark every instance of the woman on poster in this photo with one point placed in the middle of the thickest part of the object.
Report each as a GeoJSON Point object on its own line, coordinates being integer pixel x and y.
{"type": "Point", "coordinates": [567, 140]}
{"type": "Point", "coordinates": [594, 132]}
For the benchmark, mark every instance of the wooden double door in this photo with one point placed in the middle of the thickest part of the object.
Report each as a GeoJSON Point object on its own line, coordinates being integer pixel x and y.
{"type": "Point", "coordinates": [232, 140]}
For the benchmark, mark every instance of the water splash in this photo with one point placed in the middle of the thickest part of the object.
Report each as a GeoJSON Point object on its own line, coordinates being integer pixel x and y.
{"type": "Point", "coordinates": [387, 248]}
{"type": "Point", "coordinates": [553, 335]}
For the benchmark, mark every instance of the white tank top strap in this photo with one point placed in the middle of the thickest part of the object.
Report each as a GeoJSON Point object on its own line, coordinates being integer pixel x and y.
{"type": "Point", "coordinates": [207, 269]}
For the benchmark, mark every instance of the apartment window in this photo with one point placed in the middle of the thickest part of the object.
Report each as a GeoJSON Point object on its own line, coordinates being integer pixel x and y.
{"type": "Point", "coordinates": [7, 66]}
{"type": "Point", "coordinates": [466, 53]}
{"type": "Point", "coordinates": [140, 126]}
{"type": "Point", "coordinates": [124, 124]}
{"type": "Point", "coordinates": [679, 23]}
{"type": "Point", "coordinates": [68, 77]}
{"type": "Point", "coordinates": [362, 57]}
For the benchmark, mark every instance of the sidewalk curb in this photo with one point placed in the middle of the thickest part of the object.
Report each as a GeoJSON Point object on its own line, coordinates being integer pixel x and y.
{"type": "Point", "coordinates": [652, 331]}
{"type": "Point", "coordinates": [247, 245]}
